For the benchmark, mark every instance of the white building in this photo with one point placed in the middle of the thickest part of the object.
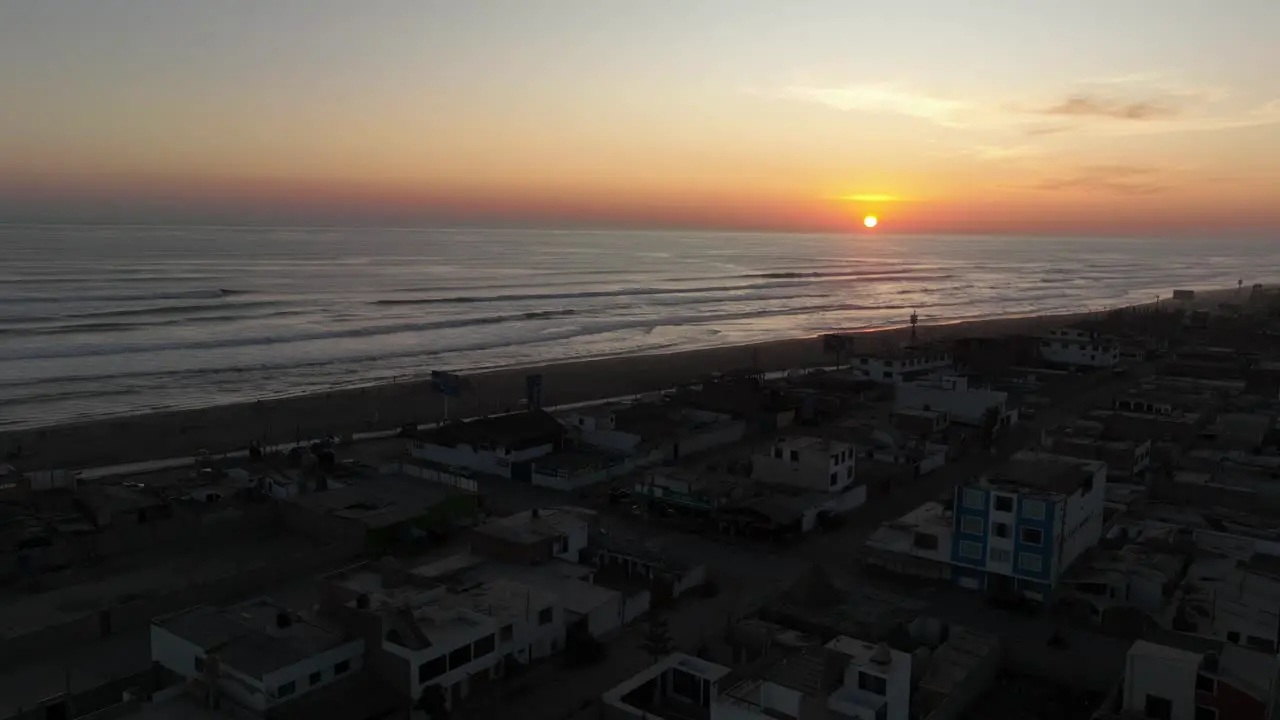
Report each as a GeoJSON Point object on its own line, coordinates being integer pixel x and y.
{"type": "Point", "coordinates": [1080, 348]}
{"type": "Point", "coordinates": [256, 655]}
{"type": "Point", "coordinates": [437, 637]}
{"type": "Point", "coordinates": [877, 681]}
{"type": "Point", "coordinates": [536, 535]}
{"type": "Point", "coordinates": [1236, 601]}
{"type": "Point", "coordinates": [1022, 527]}
{"type": "Point", "coordinates": [1199, 681]}
{"type": "Point", "coordinates": [893, 365]}
{"type": "Point", "coordinates": [652, 432]}
{"type": "Point", "coordinates": [502, 445]}
{"type": "Point", "coordinates": [874, 684]}
{"type": "Point", "coordinates": [806, 462]}
{"type": "Point", "coordinates": [952, 395]}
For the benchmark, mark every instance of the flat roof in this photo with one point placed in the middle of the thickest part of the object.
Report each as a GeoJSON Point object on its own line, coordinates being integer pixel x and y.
{"type": "Point", "coordinates": [863, 653]}
{"type": "Point", "coordinates": [248, 638]}
{"type": "Point", "coordinates": [578, 459]}
{"type": "Point", "coordinates": [1057, 474]}
{"type": "Point", "coordinates": [951, 663]}
{"type": "Point", "coordinates": [538, 524]}
{"type": "Point", "coordinates": [811, 442]}
{"type": "Point", "coordinates": [381, 502]}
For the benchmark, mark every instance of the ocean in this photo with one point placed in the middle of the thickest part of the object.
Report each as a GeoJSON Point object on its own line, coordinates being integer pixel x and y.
{"type": "Point", "coordinates": [103, 321]}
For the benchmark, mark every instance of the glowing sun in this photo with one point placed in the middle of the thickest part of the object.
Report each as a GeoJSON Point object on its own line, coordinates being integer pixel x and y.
{"type": "Point", "coordinates": [870, 221]}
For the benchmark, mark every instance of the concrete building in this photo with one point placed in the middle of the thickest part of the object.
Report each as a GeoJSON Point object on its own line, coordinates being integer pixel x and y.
{"type": "Point", "coordinates": [877, 681]}
{"type": "Point", "coordinates": [761, 408]}
{"type": "Point", "coordinates": [806, 462]}
{"type": "Point", "coordinates": [1079, 347]}
{"type": "Point", "coordinates": [1234, 600]}
{"type": "Point", "coordinates": [846, 678]}
{"type": "Point", "coordinates": [952, 395]}
{"type": "Point", "coordinates": [917, 544]}
{"type": "Point", "coordinates": [379, 512]}
{"type": "Point", "coordinates": [536, 535]}
{"type": "Point", "coordinates": [1127, 460]}
{"type": "Point", "coordinates": [503, 445]}
{"type": "Point", "coordinates": [423, 633]}
{"type": "Point", "coordinates": [895, 365]}
{"type": "Point", "coordinates": [579, 468]}
{"type": "Point", "coordinates": [1126, 590]}
{"type": "Point", "coordinates": [957, 674]}
{"type": "Point", "coordinates": [649, 433]}
{"type": "Point", "coordinates": [255, 655]}
{"type": "Point", "coordinates": [691, 491]}
{"type": "Point", "coordinates": [1020, 528]}
{"type": "Point", "coordinates": [1193, 680]}
{"type": "Point", "coordinates": [678, 686]}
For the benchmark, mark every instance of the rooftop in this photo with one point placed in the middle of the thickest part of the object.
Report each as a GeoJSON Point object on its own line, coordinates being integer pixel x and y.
{"type": "Point", "coordinates": [256, 638]}
{"type": "Point", "coordinates": [813, 444]}
{"type": "Point", "coordinates": [535, 525]}
{"type": "Point", "coordinates": [899, 535]}
{"type": "Point", "coordinates": [382, 502]}
{"type": "Point", "coordinates": [951, 663]}
{"type": "Point", "coordinates": [1045, 472]}
{"type": "Point", "coordinates": [861, 652]}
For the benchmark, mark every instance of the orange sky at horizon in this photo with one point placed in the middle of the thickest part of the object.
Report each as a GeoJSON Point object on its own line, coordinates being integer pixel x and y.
{"type": "Point", "coordinates": [731, 114]}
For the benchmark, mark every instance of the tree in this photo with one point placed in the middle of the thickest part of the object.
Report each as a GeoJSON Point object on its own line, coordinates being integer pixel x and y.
{"type": "Point", "coordinates": [433, 702]}
{"type": "Point", "coordinates": [657, 637]}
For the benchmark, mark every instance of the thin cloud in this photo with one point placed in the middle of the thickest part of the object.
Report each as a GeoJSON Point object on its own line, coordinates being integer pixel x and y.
{"type": "Point", "coordinates": [1108, 179]}
{"type": "Point", "coordinates": [1117, 107]}
{"type": "Point", "coordinates": [1089, 106]}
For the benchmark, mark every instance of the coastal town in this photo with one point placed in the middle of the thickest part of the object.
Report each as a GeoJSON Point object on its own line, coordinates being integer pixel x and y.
{"type": "Point", "coordinates": [1076, 522]}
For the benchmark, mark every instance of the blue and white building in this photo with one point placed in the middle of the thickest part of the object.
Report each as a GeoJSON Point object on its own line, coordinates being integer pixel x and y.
{"type": "Point", "coordinates": [1019, 529]}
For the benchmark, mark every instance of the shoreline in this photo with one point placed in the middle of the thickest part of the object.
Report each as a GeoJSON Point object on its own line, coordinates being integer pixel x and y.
{"type": "Point", "coordinates": [220, 429]}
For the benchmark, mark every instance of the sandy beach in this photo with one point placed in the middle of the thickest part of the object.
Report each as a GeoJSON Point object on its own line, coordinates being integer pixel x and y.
{"type": "Point", "coordinates": [229, 428]}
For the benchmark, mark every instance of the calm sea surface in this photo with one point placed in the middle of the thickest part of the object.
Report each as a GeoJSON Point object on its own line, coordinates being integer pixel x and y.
{"type": "Point", "coordinates": [99, 321]}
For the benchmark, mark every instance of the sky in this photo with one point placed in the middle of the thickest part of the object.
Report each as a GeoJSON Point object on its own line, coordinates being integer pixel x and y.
{"type": "Point", "coordinates": [1096, 117]}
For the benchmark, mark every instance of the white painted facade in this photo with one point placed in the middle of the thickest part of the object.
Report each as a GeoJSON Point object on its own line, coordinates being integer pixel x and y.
{"type": "Point", "coordinates": [248, 690]}
{"type": "Point", "coordinates": [877, 677]}
{"type": "Point", "coordinates": [1082, 516]}
{"type": "Point", "coordinates": [1158, 674]}
{"type": "Point", "coordinates": [892, 369]}
{"type": "Point", "coordinates": [492, 460]}
{"type": "Point", "coordinates": [598, 427]}
{"type": "Point", "coordinates": [951, 395]}
{"type": "Point", "coordinates": [1081, 348]}
{"type": "Point", "coordinates": [806, 462]}
{"type": "Point", "coordinates": [463, 643]}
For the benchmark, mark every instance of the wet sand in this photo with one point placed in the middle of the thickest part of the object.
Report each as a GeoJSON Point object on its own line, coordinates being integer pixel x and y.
{"type": "Point", "coordinates": [229, 428]}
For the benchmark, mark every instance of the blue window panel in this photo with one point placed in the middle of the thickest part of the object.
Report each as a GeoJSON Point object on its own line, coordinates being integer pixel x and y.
{"type": "Point", "coordinates": [1044, 550]}
{"type": "Point", "coordinates": [962, 511]}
